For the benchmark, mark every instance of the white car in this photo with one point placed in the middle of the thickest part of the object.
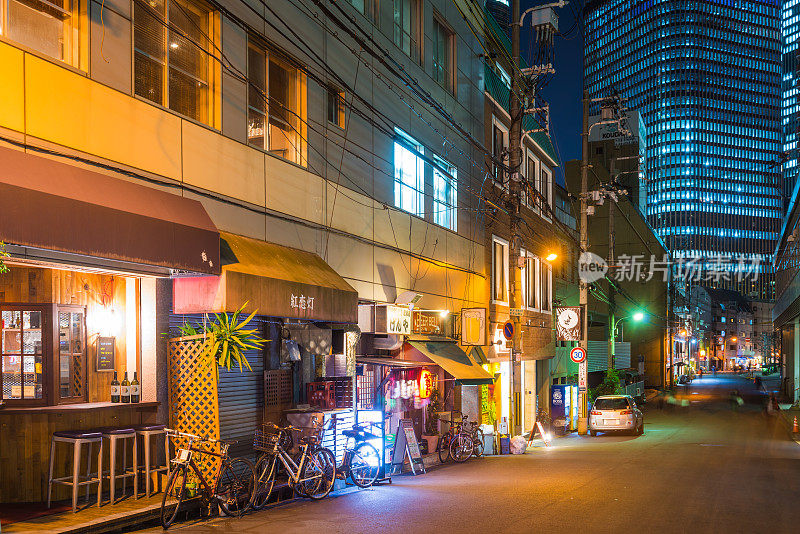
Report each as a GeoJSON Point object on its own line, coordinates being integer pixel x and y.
{"type": "Point", "coordinates": [615, 413]}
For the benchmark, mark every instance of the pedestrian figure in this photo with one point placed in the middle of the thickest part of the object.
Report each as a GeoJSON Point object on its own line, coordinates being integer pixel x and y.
{"type": "Point", "coordinates": [757, 381]}
{"type": "Point", "coordinates": [735, 400]}
{"type": "Point", "coordinates": [700, 372]}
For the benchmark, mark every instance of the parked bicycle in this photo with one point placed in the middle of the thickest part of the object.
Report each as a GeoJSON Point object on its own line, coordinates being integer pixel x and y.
{"type": "Point", "coordinates": [230, 487]}
{"type": "Point", "coordinates": [462, 445]}
{"type": "Point", "coordinates": [312, 475]}
{"type": "Point", "coordinates": [362, 462]}
{"type": "Point", "coordinates": [477, 438]}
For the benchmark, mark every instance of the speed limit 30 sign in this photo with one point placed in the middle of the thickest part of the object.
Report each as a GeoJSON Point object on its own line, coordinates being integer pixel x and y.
{"type": "Point", "coordinates": [578, 354]}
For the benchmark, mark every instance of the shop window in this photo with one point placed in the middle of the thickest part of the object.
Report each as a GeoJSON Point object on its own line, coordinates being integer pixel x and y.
{"type": "Point", "coordinates": [405, 17]}
{"type": "Point", "coordinates": [172, 44]}
{"type": "Point", "coordinates": [36, 371]}
{"type": "Point", "coordinates": [71, 353]}
{"type": "Point", "coordinates": [499, 270]}
{"type": "Point", "coordinates": [409, 175]}
{"type": "Point", "coordinates": [443, 54]}
{"type": "Point", "coordinates": [47, 26]}
{"type": "Point", "coordinates": [275, 120]}
{"type": "Point", "coordinates": [336, 106]}
{"type": "Point", "coordinates": [445, 195]}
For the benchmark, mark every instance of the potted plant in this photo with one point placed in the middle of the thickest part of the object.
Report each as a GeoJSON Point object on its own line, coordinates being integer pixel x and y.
{"type": "Point", "coordinates": [227, 338]}
{"type": "Point", "coordinates": [431, 434]}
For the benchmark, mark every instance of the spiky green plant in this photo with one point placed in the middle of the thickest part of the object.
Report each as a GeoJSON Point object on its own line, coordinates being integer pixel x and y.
{"type": "Point", "coordinates": [228, 338]}
{"type": "Point", "coordinates": [3, 255]}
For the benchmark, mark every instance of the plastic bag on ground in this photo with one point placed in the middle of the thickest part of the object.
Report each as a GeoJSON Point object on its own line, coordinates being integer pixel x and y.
{"type": "Point", "coordinates": [518, 445]}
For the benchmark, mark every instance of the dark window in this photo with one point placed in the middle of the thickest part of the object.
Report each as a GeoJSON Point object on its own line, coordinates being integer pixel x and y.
{"type": "Point", "coordinates": [612, 403]}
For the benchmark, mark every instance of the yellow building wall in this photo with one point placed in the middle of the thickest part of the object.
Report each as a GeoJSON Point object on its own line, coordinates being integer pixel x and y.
{"type": "Point", "coordinates": [48, 103]}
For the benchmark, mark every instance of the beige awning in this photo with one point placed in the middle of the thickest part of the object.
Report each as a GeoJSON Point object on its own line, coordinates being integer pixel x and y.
{"type": "Point", "coordinates": [277, 281]}
{"type": "Point", "coordinates": [449, 356]}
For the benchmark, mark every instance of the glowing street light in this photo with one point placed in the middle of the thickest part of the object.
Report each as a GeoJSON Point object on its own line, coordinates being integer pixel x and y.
{"type": "Point", "coordinates": [552, 256]}
{"type": "Point", "coordinates": [638, 316]}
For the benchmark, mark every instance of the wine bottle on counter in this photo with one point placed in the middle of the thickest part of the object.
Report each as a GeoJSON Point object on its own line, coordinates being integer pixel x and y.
{"type": "Point", "coordinates": [125, 393]}
{"type": "Point", "coordinates": [135, 389]}
{"type": "Point", "coordinates": [115, 389]}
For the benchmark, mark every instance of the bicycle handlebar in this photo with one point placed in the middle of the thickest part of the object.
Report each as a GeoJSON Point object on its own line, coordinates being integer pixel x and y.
{"type": "Point", "coordinates": [193, 437]}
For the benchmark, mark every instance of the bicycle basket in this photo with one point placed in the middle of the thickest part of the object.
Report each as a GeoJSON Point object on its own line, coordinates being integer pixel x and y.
{"type": "Point", "coordinates": [266, 439]}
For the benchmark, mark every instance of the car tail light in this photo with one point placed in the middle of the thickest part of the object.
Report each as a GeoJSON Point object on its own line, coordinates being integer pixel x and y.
{"type": "Point", "coordinates": [626, 412]}
{"type": "Point", "coordinates": [595, 412]}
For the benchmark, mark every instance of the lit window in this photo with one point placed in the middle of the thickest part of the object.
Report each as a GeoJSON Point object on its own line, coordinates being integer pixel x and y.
{"type": "Point", "coordinates": [405, 22]}
{"type": "Point", "coordinates": [499, 270]}
{"type": "Point", "coordinates": [47, 26]}
{"type": "Point", "coordinates": [172, 62]}
{"type": "Point", "coordinates": [336, 107]}
{"type": "Point", "coordinates": [409, 175]}
{"type": "Point", "coordinates": [443, 54]}
{"type": "Point", "coordinates": [445, 195]}
{"type": "Point", "coordinates": [274, 121]}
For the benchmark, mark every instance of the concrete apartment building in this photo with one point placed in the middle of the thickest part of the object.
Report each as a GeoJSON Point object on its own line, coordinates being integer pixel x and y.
{"type": "Point", "coordinates": [216, 144]}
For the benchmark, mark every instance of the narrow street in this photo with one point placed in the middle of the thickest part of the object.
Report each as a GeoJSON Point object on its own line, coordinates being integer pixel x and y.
{"type": "Point", "coordinates": [703, 468]}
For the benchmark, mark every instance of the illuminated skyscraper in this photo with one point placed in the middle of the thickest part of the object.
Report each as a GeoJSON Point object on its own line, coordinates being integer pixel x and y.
{"type": "Point", "coordinates": [704, 74]}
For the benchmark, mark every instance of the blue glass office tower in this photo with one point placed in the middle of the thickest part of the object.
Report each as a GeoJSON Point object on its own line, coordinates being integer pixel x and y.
{"type": "Point", "coordinates": [790, 93]}
{"type": "Point", "coordinates": [704, 74]}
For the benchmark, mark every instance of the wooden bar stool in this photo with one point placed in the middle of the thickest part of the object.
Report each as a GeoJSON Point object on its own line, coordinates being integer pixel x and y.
{"type": "Point", "coordinates": [77, 439]}
{"type": "Point", "coordinates": [114, 435]}
{"type": "Point", "coordinates": [146, 432]}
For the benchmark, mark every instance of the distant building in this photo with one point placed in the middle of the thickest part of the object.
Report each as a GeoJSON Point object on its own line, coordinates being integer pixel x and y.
{"type": "Point", "coordinates": [706, 80]}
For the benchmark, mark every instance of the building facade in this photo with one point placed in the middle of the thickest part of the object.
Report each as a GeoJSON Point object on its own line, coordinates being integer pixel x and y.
{"type": "Point", "coordinates": [713, 132]}
{"type": "Point", "coordinates": [297, 159]}
{"type": "Point", "coordinates": [528, 380]}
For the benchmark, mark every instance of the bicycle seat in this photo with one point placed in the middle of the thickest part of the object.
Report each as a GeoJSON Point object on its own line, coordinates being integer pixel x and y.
{"type": "Point", "coordinates": [351, 433]}
{"type": "Point", "coordinates": [309, 440]}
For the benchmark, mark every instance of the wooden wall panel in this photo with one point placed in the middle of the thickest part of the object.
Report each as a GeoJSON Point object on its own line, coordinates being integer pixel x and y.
{"type": "Point", "coordinates": [25, 448]}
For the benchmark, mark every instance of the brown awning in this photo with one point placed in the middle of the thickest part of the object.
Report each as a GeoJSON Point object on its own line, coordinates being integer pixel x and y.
{"type": "Point", "coordinates": [277, 281]}
{"type": "Point", "coordinates": [47, 204]}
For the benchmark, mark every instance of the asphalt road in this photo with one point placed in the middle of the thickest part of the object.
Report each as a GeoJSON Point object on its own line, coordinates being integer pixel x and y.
{"type": "Point", "coordinates": [699, 469]}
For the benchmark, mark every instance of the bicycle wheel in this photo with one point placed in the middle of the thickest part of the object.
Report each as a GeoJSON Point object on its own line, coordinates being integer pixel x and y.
{"type": "Point", "coordinates": [478, 442]}
{"type": "Point", "coordinates": [235, 485]}
{"type": "Point", "coordinates": [444, 448]}
{"type": "Point", "coordinates": [176, 487]}
{"type": "Point", "coordinates": [365, 463]}
{"type": "Point", "coordinates": [266, 468]}
{"type": "Point", "coordinates": [320, 469]}
{"type": "Point", "coordinates": [461, 448]}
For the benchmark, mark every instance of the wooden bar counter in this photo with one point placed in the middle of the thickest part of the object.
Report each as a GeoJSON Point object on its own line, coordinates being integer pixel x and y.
{"type": "Point", "coordinates": [25, 434]}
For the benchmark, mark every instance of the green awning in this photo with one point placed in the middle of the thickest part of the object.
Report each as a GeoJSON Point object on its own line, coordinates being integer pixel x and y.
{"type": "Point", "coordinates": [449, 356]}
{"type": "Point", "coordinates": [478, 356]}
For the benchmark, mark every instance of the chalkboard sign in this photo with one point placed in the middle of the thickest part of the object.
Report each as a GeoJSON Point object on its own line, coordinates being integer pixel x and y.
{"type": "Point", "coordinates": [106, 353]}
{"type": "Point", "coordinates": [405, 444]}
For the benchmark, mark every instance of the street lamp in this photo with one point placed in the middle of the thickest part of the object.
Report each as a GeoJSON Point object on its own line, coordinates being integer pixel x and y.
{"type": "Point", "coordinates": [552, 256]}
{"type": "Point", "coordinates": [637, 317]}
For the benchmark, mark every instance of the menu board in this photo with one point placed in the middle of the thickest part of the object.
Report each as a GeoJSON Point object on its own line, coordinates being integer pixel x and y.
{"type": "Point", "coordinates": [405, 444]}
{"type": "Point", "coordinates": [106, 353]}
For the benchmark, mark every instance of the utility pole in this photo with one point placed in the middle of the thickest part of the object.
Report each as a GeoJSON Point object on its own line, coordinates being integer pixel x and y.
{"type": "Point", "coordinates": [583, 421]}
{"type": "Point", "coordinates": [513, 205]}
{"type": "Point", "coordinates": [611, 294]}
